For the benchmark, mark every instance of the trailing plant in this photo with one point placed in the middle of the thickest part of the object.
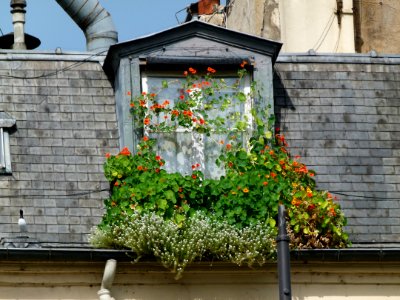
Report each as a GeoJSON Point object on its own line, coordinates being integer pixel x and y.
{"type": "Point", "coordinates": [196, 238]}
{"type": "Point", "coordinates": [179, 218]}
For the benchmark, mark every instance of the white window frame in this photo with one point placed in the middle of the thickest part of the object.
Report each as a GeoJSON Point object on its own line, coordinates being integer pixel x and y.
{"type": "Point", "coordinates": [6, 122]}
{"type": "Point", "coordinates": [5, 157]}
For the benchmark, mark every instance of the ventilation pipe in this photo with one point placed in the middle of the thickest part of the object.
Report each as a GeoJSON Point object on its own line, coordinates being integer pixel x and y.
{"type": "Point", "coordinates": [108, 278]}
{"type": "Point", "coordinates": [18, 18]}
{"type": "Point", "coordinates": [95, 22]}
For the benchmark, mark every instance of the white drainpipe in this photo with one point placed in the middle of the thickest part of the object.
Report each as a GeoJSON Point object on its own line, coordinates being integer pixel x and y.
{"type": "Point", "coordinates": [95, 22]}
{"type": "Point", "coordinates": [108, 278]}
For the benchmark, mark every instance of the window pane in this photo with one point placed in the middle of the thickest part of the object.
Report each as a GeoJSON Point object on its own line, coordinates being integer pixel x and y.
{"type": "Point", "coordinates": [182, 148]}
{"type": "Point", "coordinates": [2, 154]}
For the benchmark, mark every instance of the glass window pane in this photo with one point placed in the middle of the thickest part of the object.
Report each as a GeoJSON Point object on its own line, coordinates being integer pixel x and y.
{"type": "Point", "coordinates": [2, 153]}
{"type": "Point", "coordinates": [182, 148]}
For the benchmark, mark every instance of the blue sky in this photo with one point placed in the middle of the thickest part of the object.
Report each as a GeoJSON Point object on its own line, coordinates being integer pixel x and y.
{"type": "Point", "coordinates": [47, 21]}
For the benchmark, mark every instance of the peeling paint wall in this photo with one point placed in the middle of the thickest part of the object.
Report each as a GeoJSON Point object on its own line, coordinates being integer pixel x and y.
{"type": "Point", "coordinates": [301, 25]}
{"type": "Point", "coordinates": [258, 17]}
{"type": "Point", "coordinates": [377, 25]}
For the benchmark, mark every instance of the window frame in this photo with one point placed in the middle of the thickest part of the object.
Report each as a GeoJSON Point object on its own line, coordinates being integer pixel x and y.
{"type": "Point", "coordinates": [6, 123]}
{"type": "Point", "coordinates": [167, 73]}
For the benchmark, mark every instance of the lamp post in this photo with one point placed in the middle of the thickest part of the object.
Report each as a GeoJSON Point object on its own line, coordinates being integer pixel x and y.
{"type": "Point", "coordinates": [282, 244]}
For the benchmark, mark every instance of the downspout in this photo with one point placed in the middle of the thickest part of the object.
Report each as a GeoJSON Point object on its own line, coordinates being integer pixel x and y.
{"type": "Point", "coordinates": [108, 278]}
{"type": "Point", "coordinates": [95, 22]}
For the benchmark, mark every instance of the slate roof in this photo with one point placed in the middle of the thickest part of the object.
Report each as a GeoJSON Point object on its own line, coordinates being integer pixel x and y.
{"type": "Point", "coordinates": [64, 112]}
{"type": "Point", "coordinates": [341, 113]}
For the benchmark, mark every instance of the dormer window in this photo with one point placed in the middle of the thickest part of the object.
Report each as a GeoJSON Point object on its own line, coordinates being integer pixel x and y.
{"type": "Point", "coordinates": [6, 123]}
{"type": "Point", "coordinates": [137, 65]}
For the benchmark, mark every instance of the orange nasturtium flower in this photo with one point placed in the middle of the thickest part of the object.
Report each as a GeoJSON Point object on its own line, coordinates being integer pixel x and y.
{"type": "Point", "coordinates": [332, 211]}
{"type": "Point", "coordinates": [146, 121]}
{"type": "Point", "coordinates": [125, 151]}
{"type": "Point", "coordinates": [145, 138]}
{"type": "Point", "coordinates": [296, 202]}
{"type": "Point", "coordinates": [245, 190]}
{"type": "Point", "coordinates": [108, 155]}
{"type": "Point", "coordinates": [211, 70]}
{"type": "Point", "coordinates": [193, 71]}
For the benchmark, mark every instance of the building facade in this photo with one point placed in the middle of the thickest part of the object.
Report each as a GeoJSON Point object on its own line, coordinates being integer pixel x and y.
{"type": "Point", "coordinates": [61, 113]}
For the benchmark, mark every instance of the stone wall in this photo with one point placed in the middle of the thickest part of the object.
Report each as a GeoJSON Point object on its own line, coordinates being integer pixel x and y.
{"type": "Point", "coordinates": [65, 122]}
{"type": "Point", "coordinates": [377, 25]}
{"type": "Point", "coordinates": [341, 114]}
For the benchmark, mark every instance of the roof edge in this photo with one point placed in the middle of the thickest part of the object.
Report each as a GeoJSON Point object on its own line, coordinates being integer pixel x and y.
{"type": "Point", "coordinates": [100, 255]}
{"type": "Point", "coordinates": [187, 30]}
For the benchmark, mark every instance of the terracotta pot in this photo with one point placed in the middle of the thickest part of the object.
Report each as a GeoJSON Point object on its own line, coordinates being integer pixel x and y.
{"type": "Point", "coordinates": [206, 7]}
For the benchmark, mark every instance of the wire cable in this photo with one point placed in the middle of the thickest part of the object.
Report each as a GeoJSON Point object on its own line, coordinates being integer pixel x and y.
{"type": "Point", "coordinates": [74, 65]}
{"type": "Point", "coordinates": [85, 193]}
{"type": "Point", "coordinates": [77, 194]}
{"type": "Point", "coordinates": [324, 33]}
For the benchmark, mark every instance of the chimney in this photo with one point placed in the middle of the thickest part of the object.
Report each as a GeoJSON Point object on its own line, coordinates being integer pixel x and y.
{"type": "Point", "coordinates": [208, 7]}
{"type": "Point", "coordinates": [18, 16]}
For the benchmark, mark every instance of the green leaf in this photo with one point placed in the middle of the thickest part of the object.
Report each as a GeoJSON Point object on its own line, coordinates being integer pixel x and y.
{"type": "Point", "coordinates": [272, 222]}
{"type": "Point", "coordinates": [241, 97]}
{"type": "Point", "coordinates": [162, 203]}
{"type": "Point", "coordinates": [170, 195]}
{"type": "Point", "coordinates": [164, 84]}
{"type": "Point", "coordinates": [179, 219]}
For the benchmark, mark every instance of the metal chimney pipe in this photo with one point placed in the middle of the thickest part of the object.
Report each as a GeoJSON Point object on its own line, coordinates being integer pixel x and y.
{"type": "Point", "coordinates": [95, 22]}
{"type": "Point", "coordinates": [18, 16]}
